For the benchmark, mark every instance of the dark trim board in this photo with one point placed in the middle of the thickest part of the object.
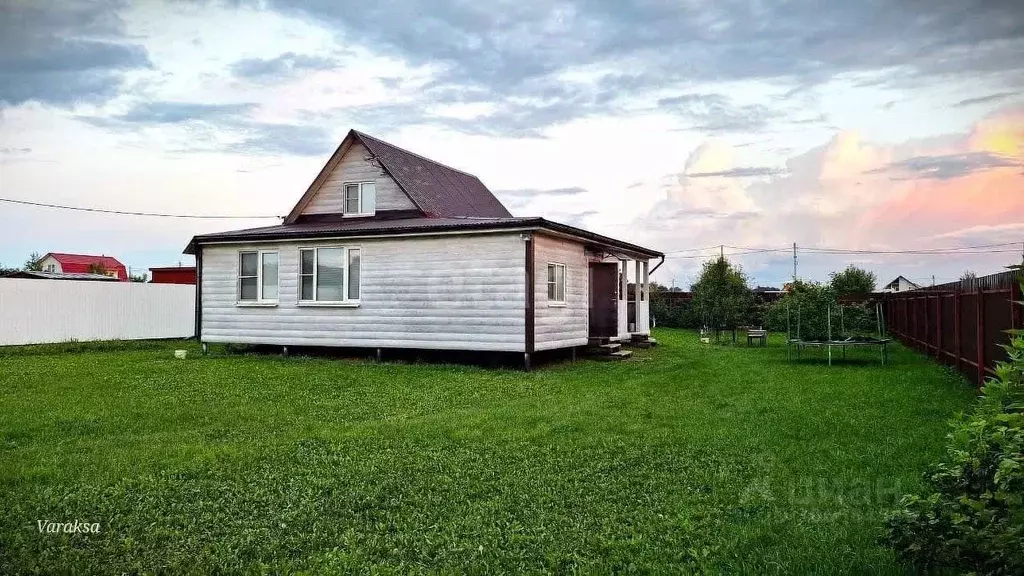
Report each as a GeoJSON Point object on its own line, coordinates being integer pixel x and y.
{"type": "Point", "coordinates": [531, 291]}
{"type": "Point", "coordinates": [199, 293]}
{"type": "Point", "coordinates": [356, 228]}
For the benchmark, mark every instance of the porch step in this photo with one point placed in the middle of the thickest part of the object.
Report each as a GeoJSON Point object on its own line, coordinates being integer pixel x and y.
{"type": "Point", "coordinates": [641, 341]}
{"type": "Point", "coordinates": [620, 355]}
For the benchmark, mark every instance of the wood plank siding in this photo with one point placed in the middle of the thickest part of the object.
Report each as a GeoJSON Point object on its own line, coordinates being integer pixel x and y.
{"type": "Point", "coordinates": [454, 292]}
{"type": "Point", "coordinates": [558, 326]}
{"type": "Point", "coordinates": [354, 167]}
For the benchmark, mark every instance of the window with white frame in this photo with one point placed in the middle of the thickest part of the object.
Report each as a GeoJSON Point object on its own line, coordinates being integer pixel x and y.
{"type": "Point", "coordinates": [329, 275]}
{"type": "Point", "coordinates": [257, 276]}
{"type": "Point", "coordinates": [360, 198]}
{"type": "Point", "coordinates": [556, 283]}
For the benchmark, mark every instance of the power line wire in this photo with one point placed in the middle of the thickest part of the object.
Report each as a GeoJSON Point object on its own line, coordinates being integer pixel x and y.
{"type": "Point", "coordinates": [133, 213]}
{"type": "Point", "coordinates": [741, 250]}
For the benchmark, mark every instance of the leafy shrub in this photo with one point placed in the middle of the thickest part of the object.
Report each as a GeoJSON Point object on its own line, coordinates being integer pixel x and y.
{"type": "Point", "coordinates": [853, 280]}
{"type": "Point", "coordinates": [806, 306]}
{"type": "Point", "coordinates": [721, 294]}
{"type": "Point", "coordinates": [970, 515]}
{"type": "Point", "coordinates": [669, 313]}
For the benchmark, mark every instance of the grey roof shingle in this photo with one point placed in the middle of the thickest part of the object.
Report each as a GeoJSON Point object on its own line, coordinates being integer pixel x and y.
{"type": "Point", "coordinates": [438, 190]}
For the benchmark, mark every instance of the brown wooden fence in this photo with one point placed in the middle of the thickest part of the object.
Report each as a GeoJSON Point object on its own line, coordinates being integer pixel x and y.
{"type": "Point", "coordinates": [962, 324]}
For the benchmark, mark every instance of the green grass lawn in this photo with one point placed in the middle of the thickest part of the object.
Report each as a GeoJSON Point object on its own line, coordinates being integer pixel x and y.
{"type": "Point", "coordinates": [687, 458]}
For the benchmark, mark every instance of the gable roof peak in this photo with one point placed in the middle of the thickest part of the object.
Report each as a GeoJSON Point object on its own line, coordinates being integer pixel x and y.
{"type": "Point", "coordinates": [435, 189]}
{"type": "Point", "coordinates": [364, 135]}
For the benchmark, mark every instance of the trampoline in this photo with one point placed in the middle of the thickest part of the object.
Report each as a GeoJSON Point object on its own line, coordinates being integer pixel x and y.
{"type": "Point", "coordinates": [795, 346]}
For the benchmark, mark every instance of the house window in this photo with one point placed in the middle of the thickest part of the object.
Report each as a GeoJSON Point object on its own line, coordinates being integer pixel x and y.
{"type": "Point", "coordinates": [360, 199]}
{"type": "Point", "coordinates": [51, 267]}
{"type": "Point", "coordinates": [556, 283]}
{"type": "Point", "coordinates": [329, 275]}
{"type": "Point", "coordinates": [257, 276]}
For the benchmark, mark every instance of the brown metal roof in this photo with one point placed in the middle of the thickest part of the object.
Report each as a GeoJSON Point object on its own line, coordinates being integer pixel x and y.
{"type": "Point", "coordinates": [438, 190]}
{"type": "Point", "coordinates": [389, 227]}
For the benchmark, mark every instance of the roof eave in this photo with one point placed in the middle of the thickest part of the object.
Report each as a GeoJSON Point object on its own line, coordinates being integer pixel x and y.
{"type": "Point", "coordinates": [526, 223]}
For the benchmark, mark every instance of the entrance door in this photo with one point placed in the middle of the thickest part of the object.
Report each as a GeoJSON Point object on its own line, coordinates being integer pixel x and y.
{"type": "Point", "coordinates": [604, 312]}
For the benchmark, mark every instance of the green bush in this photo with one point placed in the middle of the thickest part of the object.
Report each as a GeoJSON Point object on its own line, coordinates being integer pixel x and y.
{"type": "Point", "coordinates": [806, 306]}
{"type": "Point", "coordinates": [970, 516]}
{"type": "Point", "coordinates": [670, 313]}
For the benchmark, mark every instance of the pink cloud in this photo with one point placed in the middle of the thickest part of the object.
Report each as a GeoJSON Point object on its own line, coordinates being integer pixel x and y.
{"type": "Point", "coordinates": [855, 194]}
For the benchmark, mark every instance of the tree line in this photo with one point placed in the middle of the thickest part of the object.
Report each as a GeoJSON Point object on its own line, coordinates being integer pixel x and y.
{"type": "Point", "coordinates": [722, 299]}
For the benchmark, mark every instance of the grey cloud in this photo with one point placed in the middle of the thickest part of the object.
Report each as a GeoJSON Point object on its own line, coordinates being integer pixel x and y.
{"type": "Point", "coordinates": [244, 135]}
{"type": "Point", "coordinates": [717, 113]}
{"type": "Point", "coordinates": [521, 198]}
{"type": "Point", "coordinates": [520, 51]}
{"type": "Point", "coordinates": [740, 172]}
{"type": "Point", "coordinates": [577, 219]}
{"type": "Point", "coordinates": [14, 151]}
{"type": "Point", "coordinates": [63, 54]}
{"type": "Point", "coordinates": [535, 193]}
{"type": "Point", "coordinates": [945, 167]}
{"type": "Point", "coordinates": [282, 139]}
{"type": "Point", "coordinates": [178, 112]}
{"type": "Point", "coordinates": [282, 67]}
{"type": "Point", "coordinates": [711, 214]}
{"type": "Point", "coordinates": [985, 99]}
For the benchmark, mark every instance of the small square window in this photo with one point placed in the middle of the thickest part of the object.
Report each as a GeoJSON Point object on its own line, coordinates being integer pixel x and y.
{"type": "Point", "coordinates": [360, 198]}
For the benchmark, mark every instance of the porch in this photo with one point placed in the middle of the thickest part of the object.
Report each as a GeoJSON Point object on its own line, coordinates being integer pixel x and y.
{"type": "Point", "coordinates": [619, 291]}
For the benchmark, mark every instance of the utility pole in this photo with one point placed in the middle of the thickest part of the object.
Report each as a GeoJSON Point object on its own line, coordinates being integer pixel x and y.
{"type": "Point", "coordinates": [933, 280]}
{"type": "Point", "coordinates": [721, 251]}
{"type": "Point", "coordinates": [794, 262]}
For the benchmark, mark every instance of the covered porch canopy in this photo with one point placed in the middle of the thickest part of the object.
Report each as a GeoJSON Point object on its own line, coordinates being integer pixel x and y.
{"type": "Point", "coordinates": [631, 293]}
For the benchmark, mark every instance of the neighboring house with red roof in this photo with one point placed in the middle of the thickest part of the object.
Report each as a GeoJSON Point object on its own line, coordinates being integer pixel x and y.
{"type": "Point", "coordinates": [173, 275]}
{"type": "Point", "coordinates": [389, 249]}
{"type": "Point", "coordinates": [64, 263]}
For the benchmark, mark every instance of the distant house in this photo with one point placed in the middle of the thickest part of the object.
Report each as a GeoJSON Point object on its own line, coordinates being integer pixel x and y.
{"type": "Point", "coordinates": [63, 263]}
{"type": "Point", "coordinates": [173, 275]}
{"type": "Point", "coordinates": [388, 249]}
{"type": "Point", "coordinates": [766, 294]}
{"type": "Point", "coordinates": [900, 284]}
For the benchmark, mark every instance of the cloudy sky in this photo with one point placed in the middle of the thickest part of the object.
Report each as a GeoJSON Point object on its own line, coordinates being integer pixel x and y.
{"type": "Point", "coordinates": [880, 125]}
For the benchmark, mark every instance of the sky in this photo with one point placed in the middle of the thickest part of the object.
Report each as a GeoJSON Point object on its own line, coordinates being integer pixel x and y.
{"type": "Point", "coordinates": [680, 125]}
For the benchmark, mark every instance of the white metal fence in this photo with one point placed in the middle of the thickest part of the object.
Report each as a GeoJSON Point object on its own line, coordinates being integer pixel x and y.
{"type": "Point", "coordinates": [41, 311]}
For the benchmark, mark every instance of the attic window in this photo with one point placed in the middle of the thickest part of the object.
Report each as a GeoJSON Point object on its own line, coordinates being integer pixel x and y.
{"type": "Point", "coordinates": [360, 198]}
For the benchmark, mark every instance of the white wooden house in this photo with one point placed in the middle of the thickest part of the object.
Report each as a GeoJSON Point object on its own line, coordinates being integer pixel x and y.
{"type": "Point", "coordinates": [388, 249]}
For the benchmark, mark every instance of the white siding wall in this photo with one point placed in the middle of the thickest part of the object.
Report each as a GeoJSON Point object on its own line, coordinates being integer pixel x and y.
{"type": "Point", "coordinates": [42, 311]}
{"type": "Point", "coordinates": [354, 167]}
{"type": "Point", "coordinates": [457, 292]}
{"type": "Point", "coordinates": [561, 326]}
